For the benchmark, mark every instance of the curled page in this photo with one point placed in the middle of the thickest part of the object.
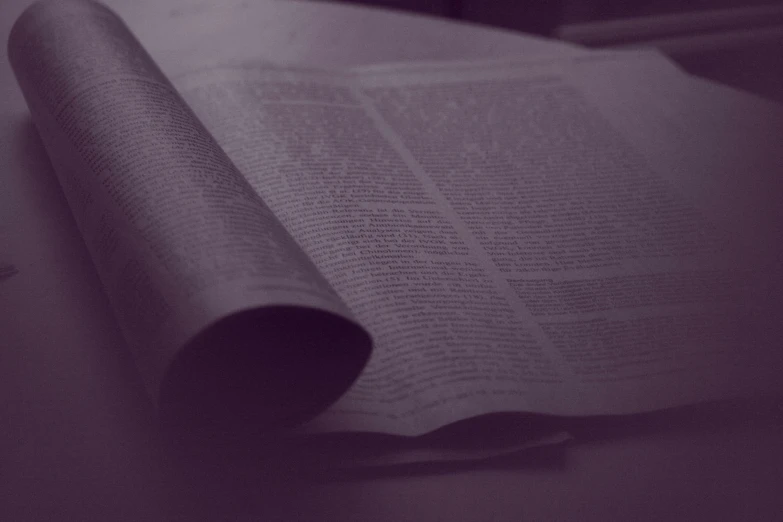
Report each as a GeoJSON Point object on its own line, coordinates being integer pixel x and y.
{"type": "Point", "coordinates": [230, 323]}
{"type": "Point", "coordinates": [541, 235]}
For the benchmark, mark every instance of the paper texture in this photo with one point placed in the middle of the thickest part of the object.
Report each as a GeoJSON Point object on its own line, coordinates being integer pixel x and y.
{"type": "Point", "coordinates": [515, 235]}
{"type": "Point", "coordinates": [519, 235]}
{"type": "Point", "coordinates": [179, 240]}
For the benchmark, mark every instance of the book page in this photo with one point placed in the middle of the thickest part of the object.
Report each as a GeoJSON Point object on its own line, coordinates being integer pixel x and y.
{"type": "Point", "coordinates": [506, 244]}
{"type": "Point", "coordinates": [213, 295]}
{"type": "Point", "coordinates": [638, 253]}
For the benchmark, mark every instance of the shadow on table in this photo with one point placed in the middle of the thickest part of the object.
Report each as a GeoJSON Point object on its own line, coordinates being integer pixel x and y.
{"type": "Point", "coordinates": [505, 440]}
{"type": "Point", "coordinates": [497, 441]}
{"type": "Point", "coordinates": [734, 415]}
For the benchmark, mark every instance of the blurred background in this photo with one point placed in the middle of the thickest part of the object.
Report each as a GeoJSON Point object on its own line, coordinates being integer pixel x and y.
{"type": "Point", "coordinates": [545, 16]}
{"type": "Point", "coordinates": [735, 42]}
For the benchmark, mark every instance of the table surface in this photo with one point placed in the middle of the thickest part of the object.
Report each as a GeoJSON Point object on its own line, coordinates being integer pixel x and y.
{"type": "Point", "coordinates": [718, 462]}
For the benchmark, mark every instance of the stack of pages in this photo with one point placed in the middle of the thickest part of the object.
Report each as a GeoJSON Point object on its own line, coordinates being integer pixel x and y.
{"type": "Point", "coordinates": [396, 248]}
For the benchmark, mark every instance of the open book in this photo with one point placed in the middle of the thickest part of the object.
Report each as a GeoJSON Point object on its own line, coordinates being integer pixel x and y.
{"type": "Point", "coordinates": [396, 248]}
